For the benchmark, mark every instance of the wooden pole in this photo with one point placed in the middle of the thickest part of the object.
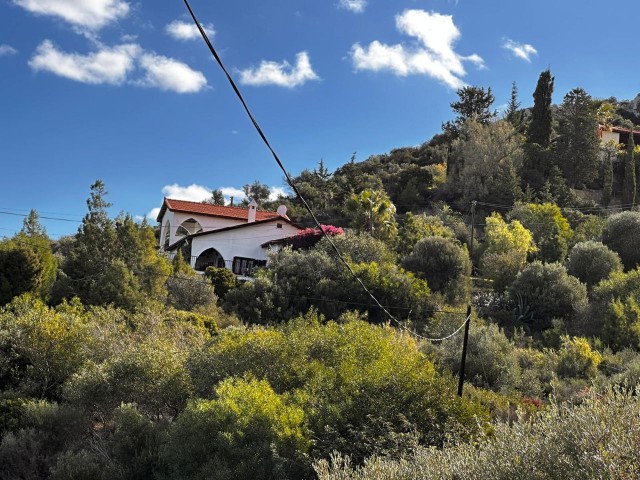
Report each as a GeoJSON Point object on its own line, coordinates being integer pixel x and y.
{"type": "Point", "coordinates": [464, 351]}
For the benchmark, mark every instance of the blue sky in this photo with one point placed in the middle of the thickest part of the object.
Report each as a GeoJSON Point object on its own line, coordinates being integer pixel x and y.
{"type": "Point", "coordinates": [125, 92]}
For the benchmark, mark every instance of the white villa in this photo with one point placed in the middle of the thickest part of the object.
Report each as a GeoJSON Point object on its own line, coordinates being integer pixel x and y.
{"type": "Point", "coordinates": [237, 238]}
{"type": "Point", "coordinates": [617, 135]}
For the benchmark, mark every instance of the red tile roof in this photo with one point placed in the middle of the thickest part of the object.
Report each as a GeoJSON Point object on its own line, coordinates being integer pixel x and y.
{"type": "Point", "coordinates": [240, 213]}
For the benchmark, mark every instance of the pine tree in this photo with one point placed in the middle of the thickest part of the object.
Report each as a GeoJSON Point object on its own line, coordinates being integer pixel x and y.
{"type": "Point", "coordinates": [512, 114]}
{"type": "Point", "coordinates": [629, 184]}
{"type": "Point", "coordinates": [33, 236]}
{"type": "Point", "coordinates": [31, 225]}
{"type": "Point", "coordinates": [540, 128]}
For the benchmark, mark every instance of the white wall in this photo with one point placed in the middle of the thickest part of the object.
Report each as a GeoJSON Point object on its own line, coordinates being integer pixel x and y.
{"type": "Point", "coordinates": [608, 136]}
{"type": "Point", "coordinates": [208, 223]}
{"type": "Point", "coordinates": [241, 242]}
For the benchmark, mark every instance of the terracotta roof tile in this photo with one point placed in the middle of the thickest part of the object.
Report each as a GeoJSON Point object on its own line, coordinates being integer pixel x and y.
{"type": "Point", "coordinates": [240, 213]}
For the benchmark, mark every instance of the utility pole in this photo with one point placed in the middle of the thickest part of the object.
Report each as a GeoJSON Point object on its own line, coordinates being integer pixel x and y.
{"type": "Point", "coordinates": [464, 351]}
{"type": "Point", "coordinates": [473, 225]}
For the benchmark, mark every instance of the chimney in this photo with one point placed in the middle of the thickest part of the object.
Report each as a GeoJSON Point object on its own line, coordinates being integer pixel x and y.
{"type": "Point", "coordinates": [251, 216]}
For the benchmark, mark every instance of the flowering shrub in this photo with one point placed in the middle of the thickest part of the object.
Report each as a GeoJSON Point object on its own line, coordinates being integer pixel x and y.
{"type": "Point", "coordinates": [308, 237]}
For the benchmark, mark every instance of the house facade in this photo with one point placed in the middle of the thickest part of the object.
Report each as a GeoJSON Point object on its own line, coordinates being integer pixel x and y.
{"type": "Point", "coordinates": [618, 135]}
{"type": "Point", "coordinates": [237, 238]}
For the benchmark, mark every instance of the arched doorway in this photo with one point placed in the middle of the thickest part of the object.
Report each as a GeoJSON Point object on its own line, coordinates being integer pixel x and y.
{"type": "Point", "coordinates": [209, 258]}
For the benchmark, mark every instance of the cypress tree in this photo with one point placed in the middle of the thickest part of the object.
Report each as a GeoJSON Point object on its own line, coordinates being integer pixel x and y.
{"type": "Point", "coordinates": [629, 185]}
{"type": "Point", "coordinates": [537, 162]}
{"type": "Point", "coordinates": [540, 127]}
{"type": "Point", "coordinates": [607, 175]}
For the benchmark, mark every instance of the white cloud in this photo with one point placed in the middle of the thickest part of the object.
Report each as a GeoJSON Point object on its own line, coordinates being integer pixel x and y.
{"type": "Point", "coordinates": [115, 66]}
{"type": "Point", "coordinates": [520, 50]}
{"type": "Point", "coordinates": [280, 74]}
{"type": "Point", "coordinates": [88, 14]}
{"type": "Point", "coordinates": [356, 6]}
{"type": "Point", "coordinates": [170, 74]}
{"type": "Point", "coordinates": [275, 192]}
{"type": "Point", "coordinates": [192, 193]}
{"type": "Point", "coordinates": [187, 31]}
{"type": "Point", "coordinates": [6, 50]}
{"type": "Point", "coordinates": [153, 214]}
{"type": "Point", "coordinates": [229, 192]}
{"type": "Point", "coordinates": [434, 57]}
{"type": "Point", "coordinates": [107, 65]}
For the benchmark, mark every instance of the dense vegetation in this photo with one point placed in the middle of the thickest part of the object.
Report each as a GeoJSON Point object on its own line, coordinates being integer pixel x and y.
{"type": "Point", "coordinates": [116, 362]}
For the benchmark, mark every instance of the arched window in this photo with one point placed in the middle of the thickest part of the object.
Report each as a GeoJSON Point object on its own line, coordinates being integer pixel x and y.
{"type": "Point", "coordinates": [209, 258]}
{"type": "Point", "coordinates": [189, 227]}
{"type": "Point", "coordinates": [167, 236]}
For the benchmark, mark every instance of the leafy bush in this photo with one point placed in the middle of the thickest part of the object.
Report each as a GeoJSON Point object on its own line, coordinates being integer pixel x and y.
{"type": "Point", "coordinates": [614, 312]}
{"type": "Point", "coordinates": [444, 264]}
{"type": "Point", "coordinates": [622, 235]}
{"type": "Point", "coordinates": [592, 262]}
{"type": "Point", "coordinates": [551, 230]}
{"type": "Point", "coordinates": [297, 281]}
{"type": "Point", "coordinates": [363, 388]}
{"type": "Point", "coordinates": [222, 280]}
{"type": "Point", "coordinates": [597, 439]}
{"type": "Point", "coordinates": [189, 291]}
{"type": "Point", "coordinates": [358, 248]}
{"type": "Point", "coordinates": [549, 291]}
{"type": "Point", "coordinates": [246, 431]}
{"type": "Point", "coordinates": [577, 359]}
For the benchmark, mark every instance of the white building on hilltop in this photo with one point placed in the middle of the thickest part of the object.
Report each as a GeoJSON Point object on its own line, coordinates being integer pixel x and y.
{"type": "Point", "coordinates": [237, 238]}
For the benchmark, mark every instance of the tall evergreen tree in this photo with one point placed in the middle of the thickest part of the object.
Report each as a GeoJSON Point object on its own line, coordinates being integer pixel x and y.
{"type": "Point", "coordinates": [540, 128]}
{"type": "Point", "coordinates": [609, 152]}
{"type": "Point", "coordinates": [31, 225]}
{"type": "Point", "coordinates": [538, 162]}
{"type": "Point", "coordinates": [629, 184]}
{"type": "Point", "coordinates": [33, 236]}
{"type": "Point", "coordinates": [577, 149]}
{"type": "Point", "coordinates": [513, 114]}
{"type": "Point", "coordinates": [473, 102]}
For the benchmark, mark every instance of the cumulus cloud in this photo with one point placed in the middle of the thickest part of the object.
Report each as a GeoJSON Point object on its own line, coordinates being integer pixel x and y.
{"type": "Point", "coordinates": [276, 192]}
{"type": "Point", "coordinates": [153, 213]}
{"type": "Point", "coordinates": [85, 14]}
{"type": "Point", "coordinates": [280, 74]}
{"type": "Point", "coordinates": [520, 50]}
{"type": "Point", "coordinates": [116, 65]}
{"type": "Point", "coordinates": [107, 65]}
{"type": "Point", "coordinates": [356, 6]}
{"type": "Point", "coordinates": [229, 192]}
{"type": "Point", "coordinates": [187, 31]}
{"type": "Point", "coordinates": [170, 74]}
{"type": "Point", "coordinates": [434, 56]}
{"type": "Point", "coordinates": [192, 193]}
{"type": "Point", "coordinates": [6, 50]}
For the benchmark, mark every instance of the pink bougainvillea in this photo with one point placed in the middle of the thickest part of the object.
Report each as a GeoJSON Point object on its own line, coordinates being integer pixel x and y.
{"type": "Point", "coordinates": [310, 236]}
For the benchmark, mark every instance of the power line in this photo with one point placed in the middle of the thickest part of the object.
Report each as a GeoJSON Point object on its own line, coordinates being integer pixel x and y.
{"type": "Point", "coordinates": [24, 215]}
{"type": "Point", "coordinates": [286, 173]}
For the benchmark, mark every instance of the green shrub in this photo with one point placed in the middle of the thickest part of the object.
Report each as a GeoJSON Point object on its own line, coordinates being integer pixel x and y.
{"type": "Point", "coordinates": [246, 431]}
{"type": "Point", "coordinates": [222, 280]}
{"type": "Point", "coordinates": [598, 439]}
{"type": "Point", "coordinates": [592, 262]}
{"type": "Point", "coordinates": [577, 359]}
{"type": "Point", "coordinates": [445, 265]}
{"type": "Point", "coordinates": [622, 235]}
{"type": "Point", "coordinates": [550, 292]}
